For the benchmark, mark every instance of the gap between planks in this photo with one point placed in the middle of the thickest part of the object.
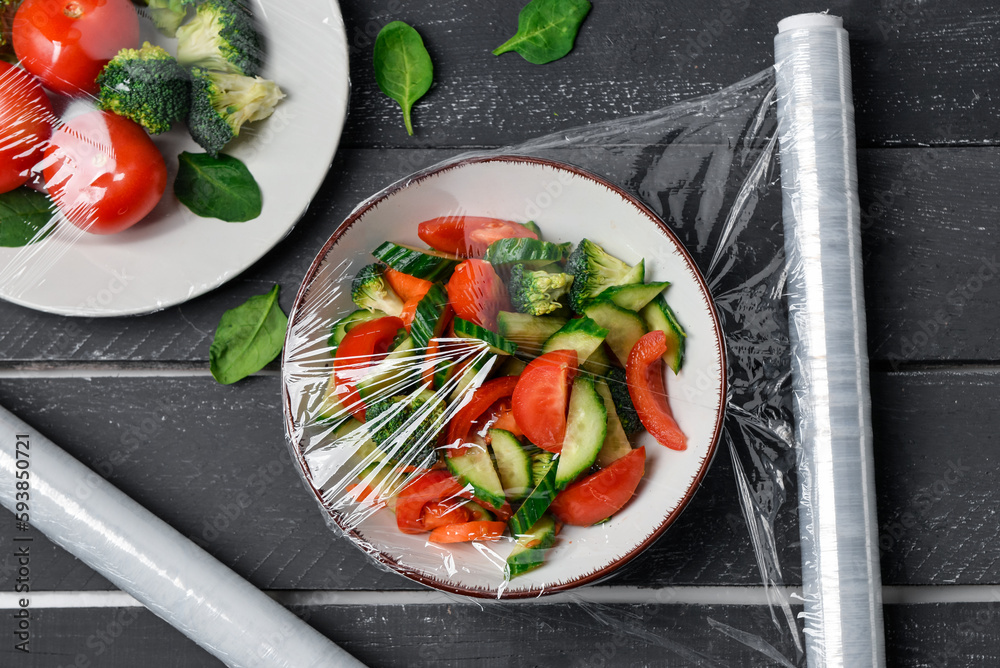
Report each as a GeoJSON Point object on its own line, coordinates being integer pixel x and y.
{"type": "Point", "coordinates": [742, 596]}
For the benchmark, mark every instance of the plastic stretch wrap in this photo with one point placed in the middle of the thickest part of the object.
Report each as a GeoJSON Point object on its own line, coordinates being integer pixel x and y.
{"type": "Point", "coordinates": [117, 218]}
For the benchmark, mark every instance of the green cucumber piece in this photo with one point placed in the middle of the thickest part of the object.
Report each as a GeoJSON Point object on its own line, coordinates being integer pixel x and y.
{"type": "Point", "coordinates": [533, 226]}
{"type": "Point", "coordinates": [473, 375]}
{"type": "Point", "coordinates": [528, 332]}
{"type": "Point", "coordinates": [330, 411]}
{"type": "Point", "coordinates": [539, 500]}
{"type": "Point", "coordinates": [599, 363]}
{"type": "Point", "coordinates": [633, 297]}
{"type": "Point", "coordinates": [430, 316]}
{"type": "Point", "coordinates": [541, 461]}
{"type": "Point", "coordinates": [479, 514]}
{"type": "Point", "coordinates": [580, 334]}
{"type": "Point", "coordinates": [394, 374]}
{"type": "Point", "coordinates": [624, 327]}
{"type": "Point", "coordinates": [475, 468]}
{"type": "Point", "coordinates": [344, 325]}
{"type": "Point", "coordinates": [586, 426]}
{"type": "Point", "coordinates": [512, 366]}
{"type": "Point", "coordinates": [430, 265]}
{"type": "Point", "coordinates": [616, 443]}
{"type": "Point", "coordinates": [497, 344]}
{"type": "Point", "coordinates": [532, 253]}
{"type": "Point", "coordinates": [513, 464]}
{"type": "Point", "coordinates": [659, 316]}
{"type": "Point", "coordinates": [530, 547]}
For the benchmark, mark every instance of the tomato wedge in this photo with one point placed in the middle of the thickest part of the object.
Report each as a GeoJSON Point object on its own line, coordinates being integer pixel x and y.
{"type": "Point", "coordinates": [485, 396]}
{"type": "Point", "coordinates": [362, 346]}
{"type": "Point", "coordinates": [469, 235]}
{"type": "Point", "coordinates": [467, 531]}
{"type": "Point", "coordinates": [503, 418]}
{"type": "Point", "coordinates": [644, 374]}
{"type": "Point", "coordinates": [541, 398]}
{"type": "Point", "coordinates": [428, 488]}
{"type": "Point", "coordinates": [477, 294]}
{"type": "Point", "coordinates": [602, 494]}
{"type": "Point", "coordinates": [442, 513]}
{"type": "Point", "coordinates": [406, 286]}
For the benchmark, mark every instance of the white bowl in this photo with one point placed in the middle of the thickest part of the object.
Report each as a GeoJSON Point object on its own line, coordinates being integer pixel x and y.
{"type": "Point", "coordinates": [568, 204]}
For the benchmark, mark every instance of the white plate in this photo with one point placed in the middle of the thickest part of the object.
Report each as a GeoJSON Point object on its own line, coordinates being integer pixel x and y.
{"type": "Point", "coordinates": [568, 205]}
{"type": "Point", "coordinates": [173, 256]}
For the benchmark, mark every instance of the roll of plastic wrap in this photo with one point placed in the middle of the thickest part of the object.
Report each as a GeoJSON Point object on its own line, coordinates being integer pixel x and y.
{"type": "Point", "coordinates": [142, 555]}
{"type": "Point", "coordinates": [840, 570]}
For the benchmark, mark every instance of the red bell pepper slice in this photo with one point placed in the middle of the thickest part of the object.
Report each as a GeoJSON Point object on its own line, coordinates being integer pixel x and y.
{"type": "Point", "coordinates": [602, 494]}
{"type": "Point", "coordinates": [467, 531]}
{"type": "Point", "coordinates": [406, 286]}
{"type": "Point", "coordinates": [541, 398]}
{"type": "Point", "coordinates": [644, 374]}
{"type": "Point", "coordinates": [469, 235]}
{"type": "Point", "coordinates": [428, 488]}
{"type": "Point", "coordinates": [363, 345]}
{"type": "Point", "coordinates": [485, 396]}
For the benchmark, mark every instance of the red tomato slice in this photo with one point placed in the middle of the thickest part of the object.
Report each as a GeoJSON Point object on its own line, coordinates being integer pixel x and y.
{"type": "Point", "coordinates": [602, 494]}
{"type": "Point", "coordinates": [485, 396]}
{"type": "Point", "coordinates": [362, 346]}
{"type": "Point", "coordinates": [26, 121]}
{"type": "Point", "coordinates": [542, 396]}
{"type": "Point", "coordinates": [430, 487]}
{"type": "Point", "coordinates": [469, 531]}
{"type": "Point", "coordinates": [503, 418]}
{"type": "Point", "coordinates": [442, 513]}
{"type": "Point", "coordinates": [469, 235]}
{"type": "Point", "coordinates": [644, 374]}
{"type": "Point", "coordinates": [477, 293]}
{"type": "Point", "coordinates": [406, 286]}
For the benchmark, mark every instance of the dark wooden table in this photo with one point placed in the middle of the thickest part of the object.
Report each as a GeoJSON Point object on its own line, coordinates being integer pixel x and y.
{"type": "Point", "coordinates": [132, 397]}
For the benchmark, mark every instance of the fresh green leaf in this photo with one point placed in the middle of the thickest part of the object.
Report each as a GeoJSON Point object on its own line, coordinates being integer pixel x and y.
{"type": "Point", "coordinates": [546, 30]}
{"type": "Point", "coordinates": [220, 187]}
{"type": "Point", "coordinates": [403, 68]}
{"type": "Point", "coordinates": [26, 216]}
{"type": "Point", "coordinates": [247, 338]}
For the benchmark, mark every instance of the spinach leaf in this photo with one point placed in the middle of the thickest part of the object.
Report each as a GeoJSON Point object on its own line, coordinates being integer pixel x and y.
{"type": "Point", "coordinates": [220, 187]}
{"type": "Point", "coordinates": [546, 30]}
{"type": "Point", "coordinates": [403, 68]}
{"type": "Point", "coordinates": [26, 217]}
{"type": "Point", "coordinates": [247, 338]}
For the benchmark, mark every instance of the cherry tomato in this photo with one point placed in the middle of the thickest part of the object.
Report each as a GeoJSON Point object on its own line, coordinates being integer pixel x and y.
{"type": "Point", "coordinates": [541, 398]}
{"type": "Point", "coordinates": [644, 374]}
{"type": "Point", "coordinates": [362, 346]}
{"type": "Point", "coordinates": [26, 121]}
{"type": "Point", "coordinates": [66, 43]}
{"type": "Point", "coordinates": [477, 293]}
{"type": "Point", "coordinates": [406, 286]}
{"type": "Point", "coordinates": [104, 172]}
{"type": "Point", "coordinates": [442, 513]}
{"type": "Point", "coordinates": [485, 396]}
{"type": "Point", "coordinates": [428, 488]}
{"type": "Point", "coordinates": [602, 494]}
{"type": "Point", "coordinates": [468, 531]}
{"type": "Point", "coordinates": [469, 235]}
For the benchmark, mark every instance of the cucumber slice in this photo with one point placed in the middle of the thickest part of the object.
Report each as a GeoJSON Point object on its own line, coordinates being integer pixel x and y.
{"type": "Point", "coordinates": [580, 334]}
{"type": "Point", "coordinates": [541, 460]}
{"type": "Point", "coordinates": [330, 411]}
{"type": "Point", "coordinates": [430, 317]}
{"type": "Point", "coordinates": [479, 514]}
{"type": "Point", "coordinates": [531, 225]}
{"type": "Point", "coordinates": [616, 443]}
{"type": "Point", "coordinates": [512, 366]}
{"type": "Point", "coordinates": [538, 501]}
{"type": "Point", "coordinates": [394, 374]}
{"type": "Point", "coordinates": [430, 265]}
{"type": "Point", "coordinates": [599, 363]}
{"type": "Point", "coordinates": [624, 327]}
{"type": "Point", "coordinates": [470, 330]}
{"type": "Point", "coordinates": [633, 297]}
{"type": "Point", "coordinates": [529, 550]}
{"type": "Point", "coordinates": [532, 253]}
{"type": "Point", "coordinates": [528, 332]}
{"type": "Point", "coordinates": [475, 468]}
{"type": "Point", "coordinates": [513, 464]}
{"type": "Point", "coordinates": [344, 325]}
{"type": "Point", "coordinates": [586, 426]}
{"type": "Point", "coordinates": [659, 315]}
{"type": "Point", "coordinates": [473, 373]}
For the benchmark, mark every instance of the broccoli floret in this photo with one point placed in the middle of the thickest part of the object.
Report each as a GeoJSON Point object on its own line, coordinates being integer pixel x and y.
{"type": "Point", "coordinates": [594, 270]}
{"type": "Point", "coordinates": [371, 291]}
{"type": "Point", "coordinates": [167, 15]}
{"type": "Point", "coordinates": [147, 86]}
{"type": "Point", "coordinates": [222, 102]}
{"type": "Point", "coordinates": [623, 401]}
{"type": "Point", "coordinates": [537, 292]}
{"type": "Point", "coordinates": [221, 37]}
{"type": "Point", "coordinates": [407, 427]}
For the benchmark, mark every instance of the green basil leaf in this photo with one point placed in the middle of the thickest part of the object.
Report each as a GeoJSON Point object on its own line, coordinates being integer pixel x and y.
{"type": "Point", "coordinates": [403, 68]}
{"type": "Point", "coordinates": [220, 187]}
{"type": "Point", "coordinates": [248, 338]}
{"type": "Point", "coordinates": [546, 30]}
{"type": "Point", "coordinates": [26, 217]}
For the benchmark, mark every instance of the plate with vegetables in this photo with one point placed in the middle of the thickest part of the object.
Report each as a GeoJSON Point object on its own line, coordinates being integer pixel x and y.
{"type": "Point", "coordinates": [153, 151]}
{"type": "Point", "coordinates": [503, 377]}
